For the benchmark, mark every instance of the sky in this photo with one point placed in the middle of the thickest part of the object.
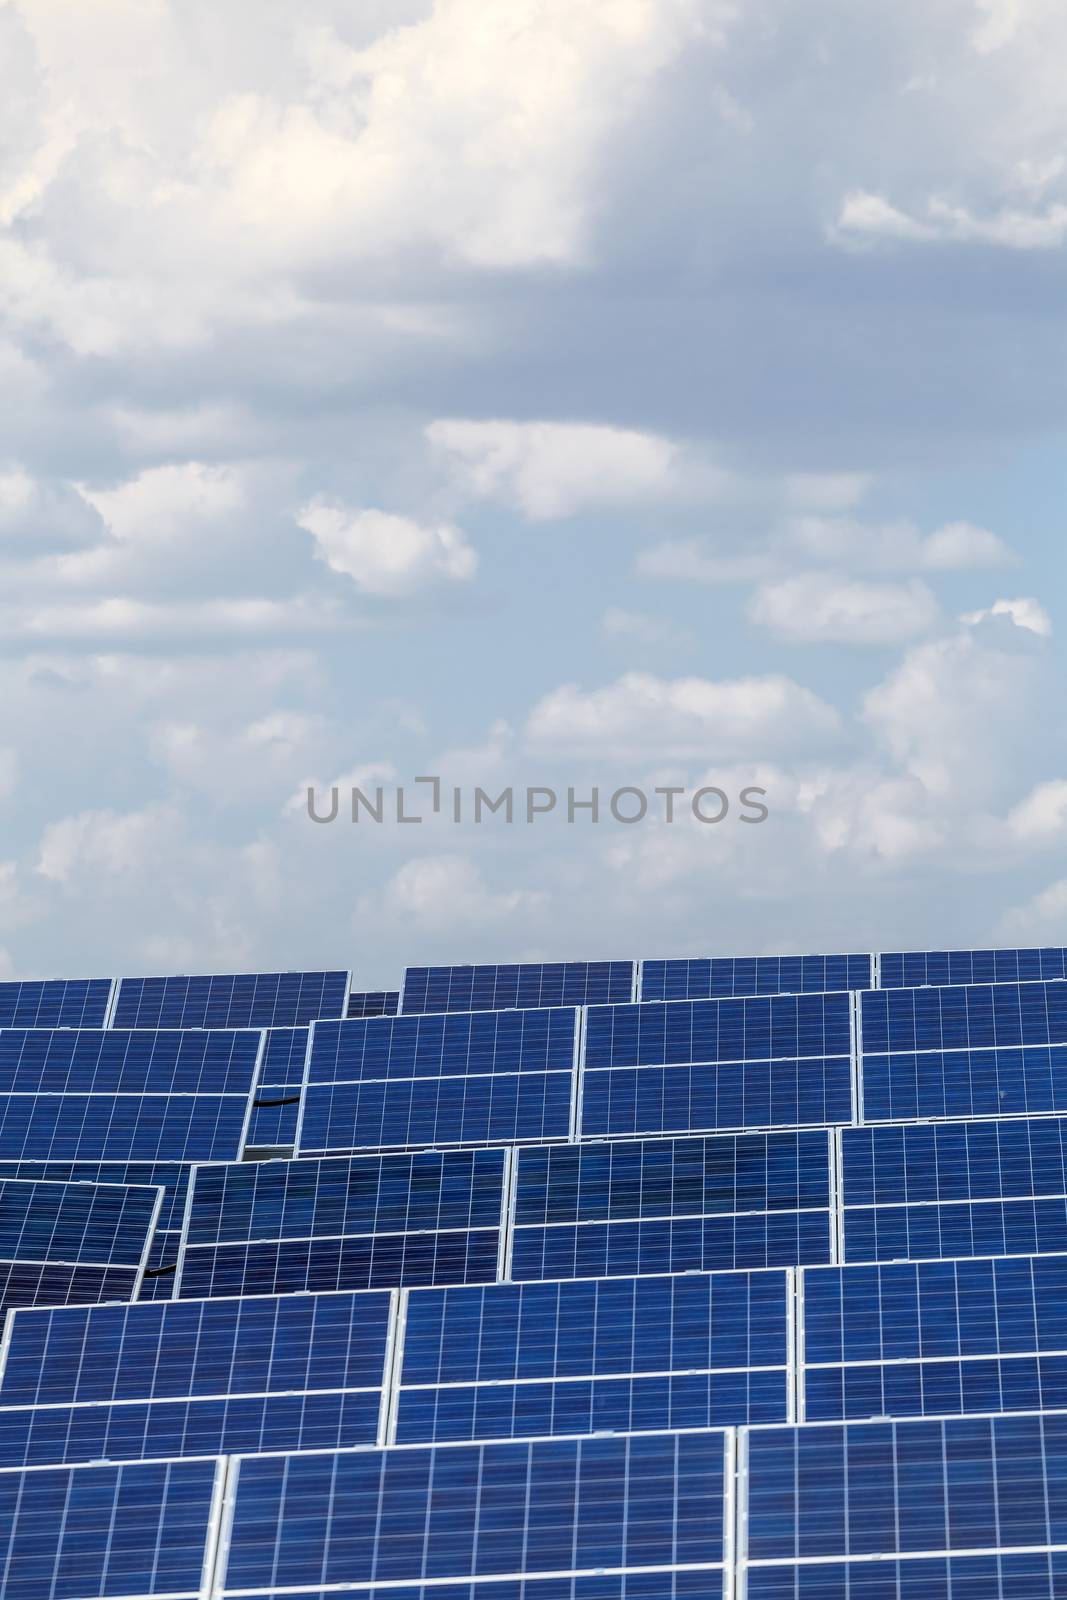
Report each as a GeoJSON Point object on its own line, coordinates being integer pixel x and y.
{"type": "Point", "coordinates": [640, 393]}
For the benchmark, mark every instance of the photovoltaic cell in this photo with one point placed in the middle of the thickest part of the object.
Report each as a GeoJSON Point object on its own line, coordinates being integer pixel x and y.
{"type": "Point", "coordinates": [344, 1223]}
{"type": "Point", "coordinates": [906, 969]}
{"type": "Point", "coordinates": [55, 1003]}
{"type": "Point", "coordinates": [495, 1108]}
{"type": "Point", "coordinates": [935, 1338]}
{"type": "Point", "coordinates": [62, 1243]}
{"type": "Point", "coordinates": [273, 1122]}
{"type": "Point", "coordinates": [1006, 1082]}
{"type": "Point", "coordinates": [158, 1280]}
{"type": "Point", "coordinates": [954, 1161]}
{"type": "Point", "coordinates": [284, 1057]}
{"type": "Point", "coordinates": [670, 1205]}
{"type": "Point", "coordinates": [115, 1061]}
{"type": "Point", "coordinates": [464, 1511]}
{"type": "Point", "coordinates": [106, 1531]}
{"type": "Point", "coordinates": [686, 1584]}
{"type": "Point", "coordinates": [117, 1128]}
{"type": "Point", "coordinates": [976, 1017]}
{"type": "Point", "coordinates": [717, 1096]}
{"type": "Point", "coordinates": [1015, 1575]}
{"type": "Point", "coordinates": [244, 1000]}
{"type": "Point", "coordinates": [781, 1027]}
{"type": "Point", "coordinates": [520, 1360]}
{"type": "Point", "coordinates": [171, 1177]}
{"type": "Point", "coordinates": [499, 988]}
{"type": "Point", "coordinates": [443, 1046]}
{"type": "Point", "coordinates": [867, 1490]}
{"type": "Point", "coordinates": [194, 1378]}
{"type": "Point", "coordinates": [724, 977]}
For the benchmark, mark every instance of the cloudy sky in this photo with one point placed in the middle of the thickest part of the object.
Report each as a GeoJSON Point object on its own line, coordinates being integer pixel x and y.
{"type": "Point", "coordinates": [637, 392]}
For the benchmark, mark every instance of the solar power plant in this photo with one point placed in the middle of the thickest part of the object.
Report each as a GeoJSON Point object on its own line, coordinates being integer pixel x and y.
{"type": "Point", "coordinates": [731, 1276]}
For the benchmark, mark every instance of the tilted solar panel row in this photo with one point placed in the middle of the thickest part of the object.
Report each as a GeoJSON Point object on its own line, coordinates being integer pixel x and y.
{"type": "Point", "coordinates": [498, 988]}
{"type": "Point", "coordinates": [62, 1243]}
{"type": "Point", "coordinates": [55, 1003]}
{"type": "Point", "coordinates": [241, 1000]}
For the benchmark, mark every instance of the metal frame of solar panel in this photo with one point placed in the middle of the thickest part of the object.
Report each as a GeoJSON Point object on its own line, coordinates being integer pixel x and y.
{"type": "Point", "coordinates": [63, 1243]}
{"type": "Point", "coordinates": [439, 1080]}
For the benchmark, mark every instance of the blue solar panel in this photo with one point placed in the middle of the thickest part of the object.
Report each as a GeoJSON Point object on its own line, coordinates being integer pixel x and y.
{"type": "Point", "coordinates": [907, 969]}
{"type": "Point", "coordinates": [494, 1108]}
{"type": "Point", "coordinates": [977, 1017]}
{"type": "Point", "coordinates": [620, 1355]}
{"type": "Point", "coordinates": [284, 1058]}
{"type": "Point", "coordinates": [244, 1000]}
{"type": "Point", "coordinates": [194, 1378]}
{"type": "Point", "coordinates": [273, 1123]}
{"type": "Point", "coordinates": [171, 1177]}
{"type": "Point", "coordinates": [547, 1507]}
{"type": "Point", "coordinates": [717, 1096]}
{"type": "Point", "coordinates": [686, 1584]}
{"type": "Point", "coordinates": [55, 1003]}
{"type": "Point", "coordinates": [338, 1223]}
{"type": "Point", "coordinates": [672, 1205]}
{"type": "Point", "coordinates": [954, 1161]}
{"type": "Point", "coordinates": [112, 1061]}
{"type": "Point", "coordinates": [443, 1046]}
{"type": "Point", "coordinates": [106, 1531]}
{"type": "Point", "coordinates": [63, 1243]}
{"type": "Point", "coordinates": [724, 977]}
{"type": "Point", "coordinates": [158, 1280]}
{"type": "Point", "coordinates": [882, 1340]}
{"type": "Point", "coordinates": [374, 1003]}
{"type": "Point", "coordinates": [876, 1489]}
{"type": "Point", "coordinates": [82, 1223]}
{"type": "Point", "coordinates": [500, 988]}
{"type": "Point", "coordinates": [133, 1127]}
{"type": "Point", "coordinates": [1030, 1575]}
{"type": "Point", "coordinates": [1013, 1081]}
{"type": "Point", "coordinates": [781, 1027]}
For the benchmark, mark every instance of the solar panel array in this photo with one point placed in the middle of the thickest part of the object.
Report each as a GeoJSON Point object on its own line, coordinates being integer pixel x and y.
{"type": "Point", "coordinates": [654, 1280]}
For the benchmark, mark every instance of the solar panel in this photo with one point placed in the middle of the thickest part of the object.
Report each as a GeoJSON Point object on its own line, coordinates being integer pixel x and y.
{"type": "Point", "coordinates": [723, 977]}
{"type": "Point", "coordinates": [117, 1061]}
{"type": "Point", "coordinates": [193, 1378]}
{"type": "Point", "coordinates": [62, 1242]}
{"type": "Point", "coordinates": [867, 1490]}
{"type": "Point", "coordinates": [615, 1355]}
{"type": "Point", "coordinates": [284, 1057]}
{"type": "Point", "coordinates": [171, 1177]}
{"type": "Point", "coordinates": [670, 1205]}
{"type": "Point", "coordinates": [122, 1128]}
{"type": "Point", "coordinates": [717, 1097]}
{"type": "Point", "coordinates": [273, 1123]}
{"type": "Point", "coordinates": [782, 1027]}
{"type": "Point", "coordinates": [158, 1280]}
{"type": "Point", "coordinates": [935, 1338]}
{"type": "Point", "coordinates": [975, 1017]}
{"type": "Point", "coordinates": [343, 1223]}
{"type": "Point", "coordinates": [455, 1512]}
{"type": "Point", "coordinates": [55, 1003]}
{"type": "Point", "coordinates": [1007, 1082]}
{"type": "Point", "coordinates": [1013, 1575]}
{"type": "Point", "coordinates": [500, 988]}
{"type": "Point", "coordinates": [243, 1000]}
{"type": "Point", "coordinates": [906, 969]}
{"type": "Point", "coordinates": [376, 1003]}
{"type": "Point", "coordinates": [108, 1531]}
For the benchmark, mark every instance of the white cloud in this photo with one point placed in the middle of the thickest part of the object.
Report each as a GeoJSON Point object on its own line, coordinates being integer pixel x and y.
{"type": "Point", "coordinates": [690, 561]}
{"type": "Point", "coordinates": [819, 607]}
{"type": "Point", "coordinates": [37, 517]}
{"type": "Point", "coordinates": [1041, 920]}
{"type": "Point", "coordinates": [1042, 815]}
{"type": "Point", "coordinates": [438, 894]}
{"type": "Point", "coordinates": [139, 624]}
{"type": "Point", "coordinates": [894, 546]}
{"type": "Point", "coordinates": [104, 841]}
{"type": "Point", "coordinates": [1025, 613]}
{"type": "Point", "coordinates": [867, 217]}
{"type": "Point", "coordinates": [163, 501]}
{"type": "Point", "coordinates": [555, 469]}
{"type": "Point", "coordinates": [826, 491]}
{"type": "Point", "coordinates": [642, 713]}
{"type": "Point", "coordinates": [386, 554]}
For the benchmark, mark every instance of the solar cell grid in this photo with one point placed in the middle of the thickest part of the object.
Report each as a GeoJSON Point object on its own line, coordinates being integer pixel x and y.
{"type": "Point", "coordinates": [55, 1003]}
{"type": "Point", "coordinates": [119, 1061]}
{"type": "Point", "coordinates": [374, 1003]}
{"type": "Point", "coordinates": [78, 1223]}
{"type": "Point", "coordinates": [107, 1531]}
{"type": "Point", "coordinates": [763, 1029]}
{"type": "Point", "coordinates": [901, 969]}
{"type": "Point", "coordinates": [1001, 1082]}
{"type": "Point", "coordinates": [731, 1095]}
{"type": "Point", "coordinates": [242, 1000]}
{"type": "Point", "coordinates": [495, 1108]}
{"type": "Point", "coordinates": [497, 988]}
{"type": "Point", "coordinates": [443, 1046]}
{"type": "Point", "coordinates": [122, 1128]}
{"type": "Point", "coordinates": [723, 977]}
{"type": "Point", "coordinates": [171, 1177]}
{"type": "Point", "coordinates": [549, 1507]}
{"type": "Point", "coordinates": [967, 1017]}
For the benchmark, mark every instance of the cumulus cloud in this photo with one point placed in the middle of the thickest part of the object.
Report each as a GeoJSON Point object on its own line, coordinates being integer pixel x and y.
{"type": "Point", "coordinates": [618, 623]}
{"type": "Point", "coordinates": [1025, 612]}
{"type": "Point", "coordinates": [691, 561]}
{"type": "Point", "coordinates": [122, 843]}
{"type": "Point", "coordinates": [1041, 816]}
{"type": "Point", "coordinates": [385, 554]}
{"type": "Point", "coordinates": [817, 607]}
{"type": "Point", "coordinates": [868, 217]}
{"type": "Point", "coordinates": [438, 894]}
{"type": "Point", "coordinates": [754, 716]}
{"type": "Point", "coordinates": [1041, 920]}
{"type": "Point", "coordinates": [894, 546]}
{"type": "Point", "coordinates": [555, 469]}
